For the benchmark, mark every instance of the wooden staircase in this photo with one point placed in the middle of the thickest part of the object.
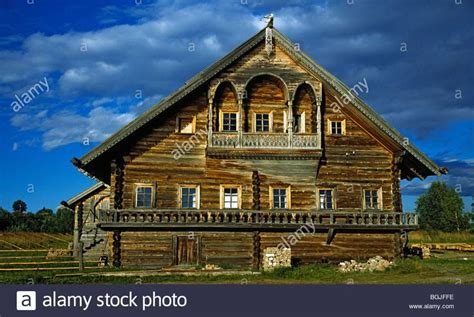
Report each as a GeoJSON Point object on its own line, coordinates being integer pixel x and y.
{"type": "Point", "coordinates": [95, 242]}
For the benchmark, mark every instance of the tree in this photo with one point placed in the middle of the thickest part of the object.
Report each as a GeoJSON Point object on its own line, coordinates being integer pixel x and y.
{"type": "Point", "coordinates": [46, 220]}
{"type": "Point", "coordinates": [5, 219]}
{"type": "Point", "coordinates": [19, 206]}
{"type": "Point", "coordinates": [64, 220]}
{"type": "Point", "coordinates": [441, 208]}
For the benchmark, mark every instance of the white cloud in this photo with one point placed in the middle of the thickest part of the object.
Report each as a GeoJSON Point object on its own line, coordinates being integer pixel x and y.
{"type": "Point", "coordinates": [66, 127]}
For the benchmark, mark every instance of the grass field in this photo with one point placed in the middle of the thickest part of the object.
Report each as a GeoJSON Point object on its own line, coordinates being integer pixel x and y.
{"type": "Point", "coordinates": [446, 267]}
{"type": "Point", "coordinates": [33, 240]}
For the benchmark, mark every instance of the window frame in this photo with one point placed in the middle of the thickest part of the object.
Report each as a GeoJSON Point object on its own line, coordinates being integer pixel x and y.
{"type": "Point", "coordinates": [333, 198]}
{"type": "Point", "coordinates": [271, 196]}
{"type": "Point", "coordinates": [178, 123]}
{"type": "Point", "coordinates": [152, 196]}
{"type": "Point", "coordinates": [378, 192]}
{"type": "Point", "coordinates": [222, 195]}
{"type": "Point", "coordinates": [221, 121]}
{"type": "Point", "coordinates": [198, 195]}
{"type": "Point", "coordinates": [270, 122]}
{"type": "Point", "coordinates": [343, 127]}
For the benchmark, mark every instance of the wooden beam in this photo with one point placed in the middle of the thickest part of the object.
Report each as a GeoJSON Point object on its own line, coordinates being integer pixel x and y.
{"type": "Point", "coordinates": [331, 235]}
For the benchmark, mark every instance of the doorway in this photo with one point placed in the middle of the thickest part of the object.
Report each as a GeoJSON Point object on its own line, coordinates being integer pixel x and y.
{"type": "Point", "coordinates": [186, 250]}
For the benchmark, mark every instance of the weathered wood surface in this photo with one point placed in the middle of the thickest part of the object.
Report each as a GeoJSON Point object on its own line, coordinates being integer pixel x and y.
{"type": "Point", "coordinates": [159, 156]}
{"type": "Point", "coordinates": [237, 249]}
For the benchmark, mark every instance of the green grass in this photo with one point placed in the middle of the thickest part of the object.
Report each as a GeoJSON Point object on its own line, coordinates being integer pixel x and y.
{"type": "Point", "coordinates": [406, 271]}
{"type": "Point", "coordinates": [33, 240]}
{"type": "Point", "coordinates": [447, 267]}
{"type": "Point", "coordinates": [440, 237]}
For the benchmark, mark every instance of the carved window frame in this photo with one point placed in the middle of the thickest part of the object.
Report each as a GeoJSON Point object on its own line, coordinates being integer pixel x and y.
{"type": "Point", "coordinates": [221, 121]}
{"type": "Point", "coordinates": [378, 195]}
{"type": "Point", "coordinates": [288, 196]}
{"type": "Point", "coordinates": [239, 196]}
{"type": "Point", "coordinates": [178, 123]}
{"type": "Point", "coordinates": [333, 198]}
{"type": "Point", "coordinates": [198, 195]}
{"type": "Point", "coordinates": [254, 121]}
{"type": "Point", "coordinates": [153, 188]}
{"type": "Point", "coordinates": [343, 127]}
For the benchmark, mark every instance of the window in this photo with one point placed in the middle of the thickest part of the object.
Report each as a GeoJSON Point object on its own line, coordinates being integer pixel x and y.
{"type": "Point", "coordinates": [280, 198]}
{"type": "Point", "coordinates": [229, 121]}
{"type": "Point", "coordinates": [371, 199]}
{"type": "Point", "coordinates": [230, 197]}
{"type": "Point", "coordinates": [190, 197]}
{"type": "Point", "coordinates": [325, 199]}
{"type": "Point", "coordinates": [143, 196]}
{"type": "Point", "coordinates": [185, 125]}
{"type": "Point", "coordinates": [298, 123]}
{"type": "Point", "coordinates": [262, 122]}
{"type": "Point", "coordinates": [337, 127]}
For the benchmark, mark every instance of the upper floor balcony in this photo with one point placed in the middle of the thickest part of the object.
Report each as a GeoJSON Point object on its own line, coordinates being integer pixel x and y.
{"type": "Point", "coordinates": [265, 140]}
{"type": "Point", "coordinates": [263, 117]}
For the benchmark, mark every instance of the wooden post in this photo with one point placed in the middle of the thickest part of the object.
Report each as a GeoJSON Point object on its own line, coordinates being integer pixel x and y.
{"type": "Point", "coordinates": [290, 123]}
{"type": "Point", "coordinates": [81, 255]}
{"type": "Point", "coordinates": [117, 260]}
{"type": "Point", "coordinates": [76, 236]}
{"type": "Point", "coordinates": [241, 115]}
{"type": "Point", "coordinates": [256, 250]}
{"type": "Point", "coordinates": [210, 123]}
{"type": "Point", "coordinates": [319, 132]}
{"type": "Point", "coordinates": [255, 191]}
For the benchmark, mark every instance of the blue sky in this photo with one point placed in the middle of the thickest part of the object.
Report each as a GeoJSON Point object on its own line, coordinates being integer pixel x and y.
{"type": "Point", "coordinates": [105, 62]}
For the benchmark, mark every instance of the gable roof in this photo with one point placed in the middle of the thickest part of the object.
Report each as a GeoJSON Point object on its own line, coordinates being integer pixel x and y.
{"type": "Point", "coordinates": [207, 74]}
{"type": "Point", "coordinates": [84, 194]}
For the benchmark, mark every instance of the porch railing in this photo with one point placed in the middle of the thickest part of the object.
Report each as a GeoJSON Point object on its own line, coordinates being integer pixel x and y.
{"type": "Point", "coordinates": [256, 218]}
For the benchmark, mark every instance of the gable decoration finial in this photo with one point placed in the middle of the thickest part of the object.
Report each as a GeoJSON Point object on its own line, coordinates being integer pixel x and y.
{"type": "Point", "coordinates": [268, 34]}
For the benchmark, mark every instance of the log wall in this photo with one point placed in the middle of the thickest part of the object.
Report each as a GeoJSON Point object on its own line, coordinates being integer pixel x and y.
{"type": "Point", "coordinates": [165, 159]}
{"type": "Point", "coordinates": [236, 249]}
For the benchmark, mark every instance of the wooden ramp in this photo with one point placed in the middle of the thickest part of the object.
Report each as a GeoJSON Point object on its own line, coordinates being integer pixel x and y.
{"type": "Point", "coordinates": [464, 247]}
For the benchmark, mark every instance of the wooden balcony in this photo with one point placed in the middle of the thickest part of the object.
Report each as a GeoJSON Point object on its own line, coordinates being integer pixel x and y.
{"type": "Point", "coordinates": [249, 220]}
{"type": "Point", "coordinates": [265, 140]}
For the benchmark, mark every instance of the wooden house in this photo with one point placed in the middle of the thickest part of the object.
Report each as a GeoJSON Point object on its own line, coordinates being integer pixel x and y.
{"type": "Point", "coordinates": [263, 144]}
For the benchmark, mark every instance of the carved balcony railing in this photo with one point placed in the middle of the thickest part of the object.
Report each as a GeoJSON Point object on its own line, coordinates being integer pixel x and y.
{"type": "Point", "coordinates": [253, 219]}
{"type": "Point", "coordinates": [265, 140]}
